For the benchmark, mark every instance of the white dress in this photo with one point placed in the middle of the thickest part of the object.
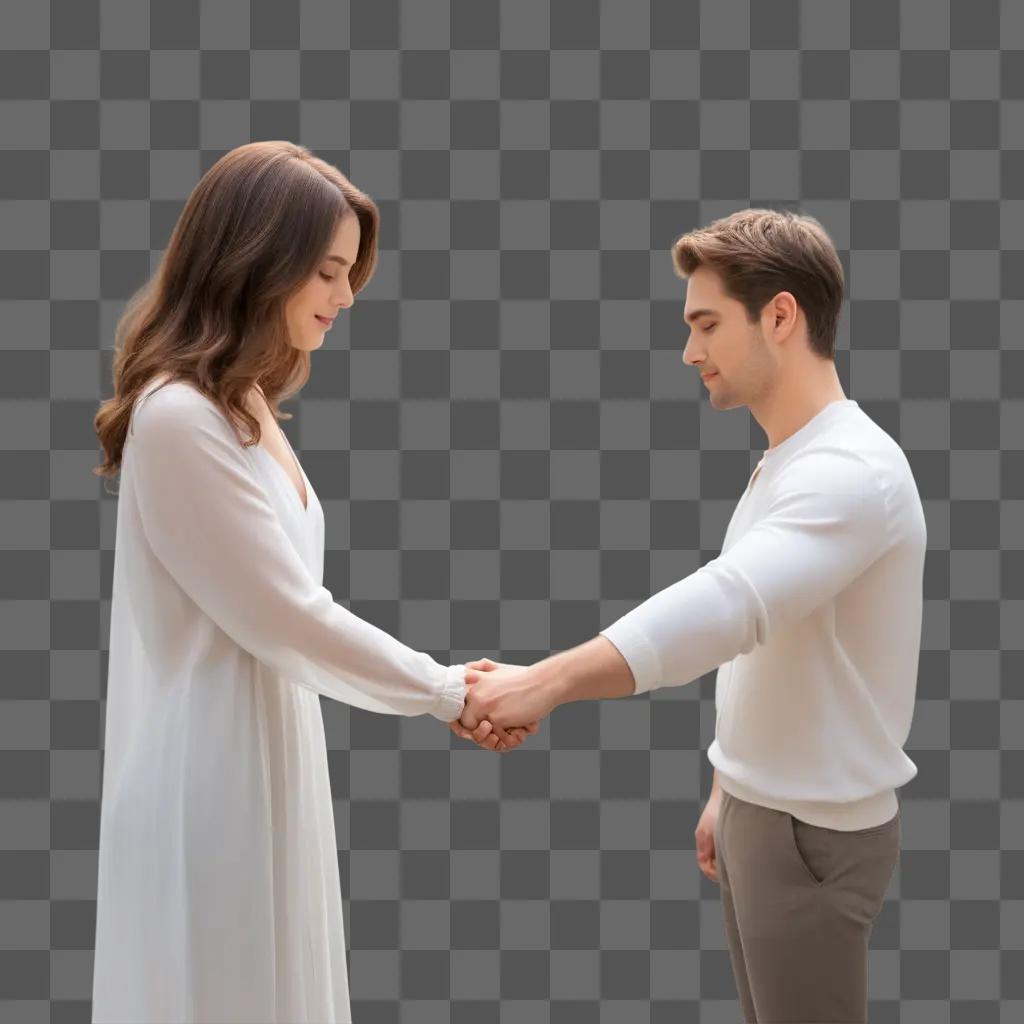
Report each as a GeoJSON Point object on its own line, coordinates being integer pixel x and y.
{"type": "Point", "coordinates": [218, 892]}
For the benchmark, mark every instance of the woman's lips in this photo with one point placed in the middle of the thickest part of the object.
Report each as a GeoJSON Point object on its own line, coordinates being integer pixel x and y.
{"type": "Point", "coordinates": [323, 320]}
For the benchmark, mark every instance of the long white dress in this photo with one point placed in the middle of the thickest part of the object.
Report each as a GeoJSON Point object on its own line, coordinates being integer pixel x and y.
{"type": "Point", "coordinates": [218, 892]}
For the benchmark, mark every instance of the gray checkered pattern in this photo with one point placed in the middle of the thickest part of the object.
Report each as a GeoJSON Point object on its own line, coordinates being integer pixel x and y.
{"type": "Point", "coordinates": [510, 452]}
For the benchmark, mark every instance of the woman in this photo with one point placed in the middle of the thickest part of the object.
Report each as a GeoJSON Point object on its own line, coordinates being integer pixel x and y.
{"type": "Point", "coordinates": [218, 892]}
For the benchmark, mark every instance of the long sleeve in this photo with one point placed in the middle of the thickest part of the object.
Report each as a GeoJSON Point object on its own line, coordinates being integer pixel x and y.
{"type": "Point", "coordinates": [210, 523]}
{"type": "Point", "coordinates": [825, 525]}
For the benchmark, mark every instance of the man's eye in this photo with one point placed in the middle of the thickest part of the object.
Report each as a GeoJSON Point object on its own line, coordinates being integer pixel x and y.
{"type": "Point", "coordinates": [326, 277]}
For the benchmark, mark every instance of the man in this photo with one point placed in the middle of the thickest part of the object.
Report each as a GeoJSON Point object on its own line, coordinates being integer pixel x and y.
{"type": "Point", "coordinates": [811, 614]}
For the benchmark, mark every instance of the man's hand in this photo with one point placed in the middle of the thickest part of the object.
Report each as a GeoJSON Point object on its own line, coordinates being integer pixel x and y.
{"type": "Point", "coordinates": [707, 854]}
{"type": "Point", "coordinates": [485, 734]}
{"type": "Point", "coordinates": [506, 695]}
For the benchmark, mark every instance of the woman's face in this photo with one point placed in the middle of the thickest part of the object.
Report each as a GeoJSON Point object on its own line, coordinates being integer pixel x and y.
{"type": "Point", "coordinates": [310, 310]}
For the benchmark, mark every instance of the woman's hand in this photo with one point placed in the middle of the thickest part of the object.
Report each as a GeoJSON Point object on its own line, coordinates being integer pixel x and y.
{"type": "Point", "coordinates": [492, 738]}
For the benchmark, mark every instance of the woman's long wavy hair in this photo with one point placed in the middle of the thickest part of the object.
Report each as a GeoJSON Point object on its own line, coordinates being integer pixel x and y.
{"type": "Point", "coordinates": [251, 234]}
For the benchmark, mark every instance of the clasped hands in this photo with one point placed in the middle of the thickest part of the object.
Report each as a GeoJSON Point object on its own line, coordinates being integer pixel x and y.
{"type": "Point", "coordinates": [504, 704]}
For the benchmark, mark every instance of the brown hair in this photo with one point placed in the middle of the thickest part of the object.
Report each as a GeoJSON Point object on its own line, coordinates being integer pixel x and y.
{"type": "Point", "coordinates": [250, 235]}
{"type": "Point", "coordinates": [759, 253]}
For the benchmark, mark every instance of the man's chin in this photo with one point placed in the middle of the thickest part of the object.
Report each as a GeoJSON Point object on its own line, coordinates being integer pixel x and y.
{"type": "Point", "coordinates": [723, 400]}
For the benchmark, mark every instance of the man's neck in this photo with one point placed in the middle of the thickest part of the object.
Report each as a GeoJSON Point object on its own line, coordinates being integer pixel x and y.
{"type": "Point", "coordinates": [786, 411]}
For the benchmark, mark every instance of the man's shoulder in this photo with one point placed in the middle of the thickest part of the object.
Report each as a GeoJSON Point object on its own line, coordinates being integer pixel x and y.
{"type": "Point", "coordinates": [856, 447]}
{"type": "Point", "coordinates": [831, 463]}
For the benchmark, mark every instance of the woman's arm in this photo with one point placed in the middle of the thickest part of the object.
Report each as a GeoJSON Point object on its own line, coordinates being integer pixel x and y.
{"type": "Point", "coordinates": [211, 525]}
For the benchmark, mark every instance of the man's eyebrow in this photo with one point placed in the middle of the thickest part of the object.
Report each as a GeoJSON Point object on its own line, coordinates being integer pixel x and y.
{"type": "Point", "coordinates": [338, 259]}
{"type": "Point", "coordinates": [690, 317]}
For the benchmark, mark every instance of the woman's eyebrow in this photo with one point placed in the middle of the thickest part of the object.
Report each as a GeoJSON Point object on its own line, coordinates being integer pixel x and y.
{"type": "Point", "coordinates": [339, 259]}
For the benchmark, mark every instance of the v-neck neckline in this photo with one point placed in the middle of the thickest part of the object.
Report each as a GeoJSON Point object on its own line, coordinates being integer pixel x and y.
{"type": "Point", "coordinates": [303, 504]}
{"type": "Point", "coordinates": [284, 473]}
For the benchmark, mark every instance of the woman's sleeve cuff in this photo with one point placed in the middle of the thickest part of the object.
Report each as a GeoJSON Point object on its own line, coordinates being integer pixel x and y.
{"type": "Point", "coordinates": [452, 699]}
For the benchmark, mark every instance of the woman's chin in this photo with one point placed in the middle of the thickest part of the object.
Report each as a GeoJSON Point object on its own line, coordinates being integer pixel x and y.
{"type": "Point", "coordinates": [310, 344]}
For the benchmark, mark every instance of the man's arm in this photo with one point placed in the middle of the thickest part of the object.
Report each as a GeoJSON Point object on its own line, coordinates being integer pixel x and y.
{"type": "Point", "coordinates": [511, 695]}
{"type": "Point", "coordinates": [827, 525]}
{"type": "Point", "coordinates": [592, 671]}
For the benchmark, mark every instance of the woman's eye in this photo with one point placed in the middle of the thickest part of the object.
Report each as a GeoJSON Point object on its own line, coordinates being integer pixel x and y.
{"type": "Point", "coordinates": [326, 277]}
{"type": "Point", "coordinates": [710, 328]}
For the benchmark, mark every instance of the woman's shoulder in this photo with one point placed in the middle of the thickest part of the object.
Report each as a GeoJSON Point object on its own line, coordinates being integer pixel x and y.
{"type": "Point", "coordinates": [166, 404]}
{"type": "Point", "coordinates": [162, 384]}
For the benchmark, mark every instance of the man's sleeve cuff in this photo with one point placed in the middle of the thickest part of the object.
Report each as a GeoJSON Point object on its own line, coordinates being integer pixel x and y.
{"type": "Point", "coordinates": [641, 657]}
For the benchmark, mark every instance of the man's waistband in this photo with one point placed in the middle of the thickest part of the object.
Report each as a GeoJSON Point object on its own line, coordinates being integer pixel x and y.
{"type": "Point", "coordinates": [874, 810]}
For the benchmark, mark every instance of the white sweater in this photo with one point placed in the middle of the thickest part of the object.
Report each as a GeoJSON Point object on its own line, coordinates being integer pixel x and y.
{"type": "Point", "coordinates": [812, 614]}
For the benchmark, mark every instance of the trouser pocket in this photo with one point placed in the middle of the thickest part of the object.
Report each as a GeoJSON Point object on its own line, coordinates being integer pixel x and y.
{"type": "Point", "coordinates": [806, 844]}
{"type": "Point", "coordinates": [825, 853]}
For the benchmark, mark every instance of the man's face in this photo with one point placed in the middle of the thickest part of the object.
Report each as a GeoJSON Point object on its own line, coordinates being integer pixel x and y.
{"type": "Point", "coordinates": [725, 344]}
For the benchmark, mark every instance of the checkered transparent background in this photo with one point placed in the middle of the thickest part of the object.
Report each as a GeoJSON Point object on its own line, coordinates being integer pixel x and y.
{"type": "Point", "coordinates": [510, 452]}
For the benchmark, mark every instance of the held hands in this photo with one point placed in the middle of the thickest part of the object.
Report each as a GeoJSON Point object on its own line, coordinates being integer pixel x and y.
{"type": "Point", "coordinates": [498, 698]}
